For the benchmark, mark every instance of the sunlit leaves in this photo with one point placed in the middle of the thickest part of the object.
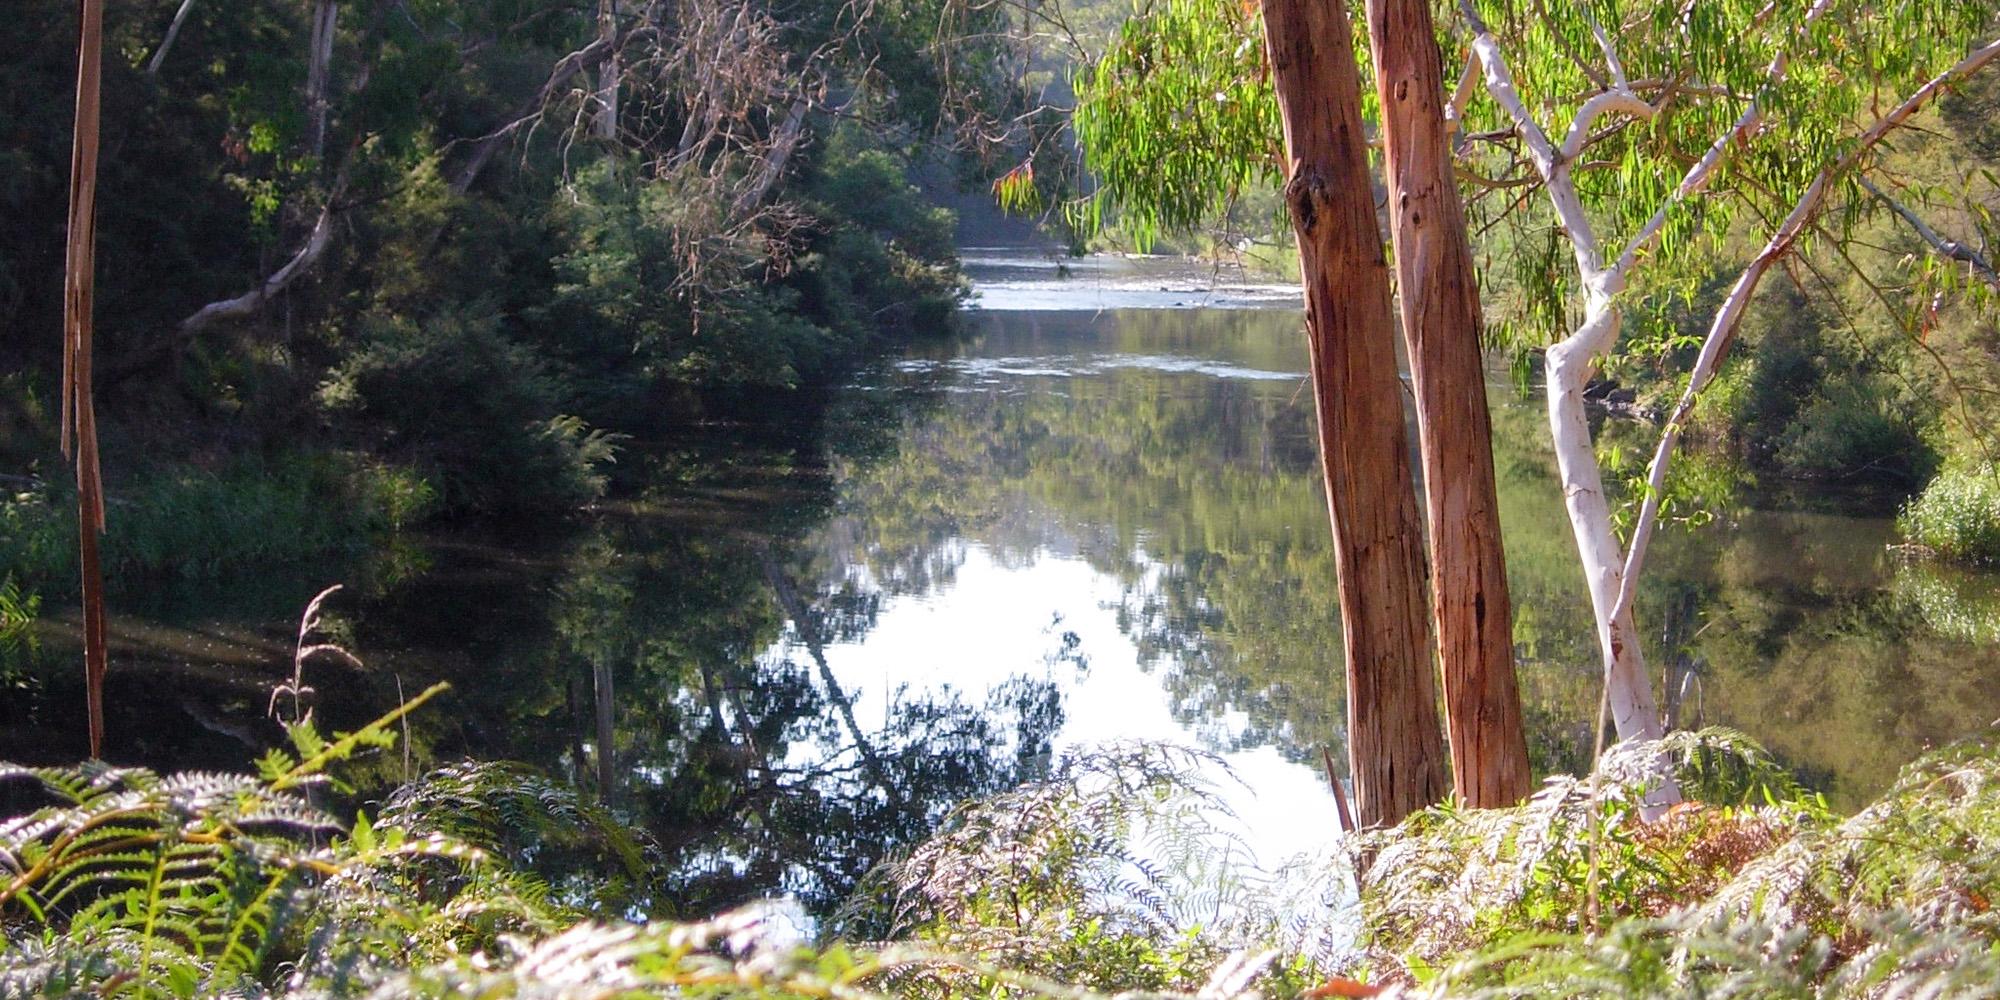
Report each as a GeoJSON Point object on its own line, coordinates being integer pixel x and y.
{"type": "Point", "coordinates": [1015, 190]}
{"type": "Point", "coordinates": [1178, 119]}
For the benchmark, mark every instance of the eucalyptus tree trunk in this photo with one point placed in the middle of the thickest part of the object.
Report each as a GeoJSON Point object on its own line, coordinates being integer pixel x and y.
{"type": "Point", "coordinates": [167, 43]}
{"type": "Point", "coordinates": [319, 73]}
{"type": "Point", "coordinates": [607, 72]}
{"type": "Point", "coordinates": [1395, 753]}
{"type": "Point", "coordinates": [1441, 324]}
{"type": "Point", "coordinates": [1628, 687]}
{"type": "Point", "coordinates": [79, 411]}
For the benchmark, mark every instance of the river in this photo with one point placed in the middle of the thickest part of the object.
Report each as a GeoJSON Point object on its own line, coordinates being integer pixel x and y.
{"type": "Point", "coordinates": [1091, 516]}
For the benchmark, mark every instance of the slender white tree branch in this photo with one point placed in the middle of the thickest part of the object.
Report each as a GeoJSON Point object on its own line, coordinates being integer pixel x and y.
{"type": "Point", "coordinates": [1548, 162]}
{"type": "Point", "coordinates": [167, 43]}
{"type": "Point", "coordinates": [1722, 331]}
{"type": "Point", "coordinates": [1941, 245]}
{"type": "Point", "coordinates": [1461, 95]}
{"type": "Point", "coordinates": [251, 301]}
{"type": "Point", "coordinates": [1599, 105]}
{"type": "Point", "coordinates": [1628, 690]}
{"type": "Point", "coordinates": [1611, 60]}
{"type": "Point", "coordinates": [1698, 176]}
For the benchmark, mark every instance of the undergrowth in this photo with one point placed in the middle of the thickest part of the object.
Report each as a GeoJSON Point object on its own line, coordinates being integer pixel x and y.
{"type": "Point", "coordinates": [1116, 874]}
{"type": "Point", "coordinates": [133, 884]}
{"type": "Point", "coordinates": [18, 612]}
{"type": "Point", "coordinates": [1958, 514]}
{"type": "Point", "coordinates": [191, 523]}
{"type": "Point", "coordinates": [1755, 889]}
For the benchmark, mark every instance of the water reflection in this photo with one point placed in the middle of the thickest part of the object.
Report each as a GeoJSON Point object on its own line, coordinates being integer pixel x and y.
{"type": "Point", "coordinates": [786, 652]}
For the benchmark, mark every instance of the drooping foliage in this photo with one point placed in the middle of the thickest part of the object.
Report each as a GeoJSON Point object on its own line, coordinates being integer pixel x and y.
{"type": "Point", "coordinates": [1177, 120]}
{"type": "Point", "coordinates": [1174, 141]}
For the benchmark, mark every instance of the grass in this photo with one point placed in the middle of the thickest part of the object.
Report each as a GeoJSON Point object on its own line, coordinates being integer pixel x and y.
{"type": "Point", "coordinates": [195, 524]}
{"type": "Point", "coordinates": [1958, 515]}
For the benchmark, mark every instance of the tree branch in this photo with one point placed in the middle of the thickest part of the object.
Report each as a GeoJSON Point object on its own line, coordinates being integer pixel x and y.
{"type": "Point", "coordinates": [248, 303]}
{"type": "Point", "coordinates": [167, 43]}
{"type": "Point", "coordinates": [1722, 332]}
{"type": "Point", "coordinates": [1949, 249]}
{"type": "Point", "coordinates": [580, 61]}
{"type": "Point", "coordinates": [1697, 177]}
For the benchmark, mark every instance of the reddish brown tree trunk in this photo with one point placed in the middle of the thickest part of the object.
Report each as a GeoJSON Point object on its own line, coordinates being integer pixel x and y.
{"type": "Point", "coordinates": [79, 414]}
{"type": "Point", "coordinates": [1395, 752]}
{"type": "Point", "coordinates": [1440, 309]}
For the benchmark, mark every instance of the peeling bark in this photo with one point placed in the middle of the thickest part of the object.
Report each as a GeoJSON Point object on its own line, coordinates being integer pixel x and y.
{"type": "Point", "coordinates": [79, 413]}
{"type": "Point", "coordinates": [1441, 326]}
{"type": "Point", "coordinates": [1395, 752]}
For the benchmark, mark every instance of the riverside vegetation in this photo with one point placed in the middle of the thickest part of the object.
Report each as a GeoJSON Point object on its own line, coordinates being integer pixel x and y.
{"type": "Point", "coordinates": [1093, 881]}
{"type": "Point", "coordinates": [467, 310]}
{"type": "Point", "coordinates": [495, 243]}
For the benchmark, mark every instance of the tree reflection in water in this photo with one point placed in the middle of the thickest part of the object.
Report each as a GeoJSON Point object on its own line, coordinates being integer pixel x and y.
{"type": "Point", "coordinates": [682, 649]}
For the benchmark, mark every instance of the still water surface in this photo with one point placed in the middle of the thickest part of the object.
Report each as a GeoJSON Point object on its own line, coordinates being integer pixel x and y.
{"type": "Point", "coordinates": [1094, 516]}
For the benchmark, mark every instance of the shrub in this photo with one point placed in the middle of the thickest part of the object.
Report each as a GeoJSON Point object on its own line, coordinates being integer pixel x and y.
{"type": "Point", "coordinates": [18, 611]}
{"type": "Point", "coordinates": [1772, 900]}
{"type": "Point", "coordinates": [1958, 514]}
{"type": "Point", "coordinates": [454, 395]}
{"type": "Point", "coordinates": [883, 257]}
{"type": "Point", "coordinates": [1116, 872]}
{"type": "Point", "coordinates": [1857, 430]}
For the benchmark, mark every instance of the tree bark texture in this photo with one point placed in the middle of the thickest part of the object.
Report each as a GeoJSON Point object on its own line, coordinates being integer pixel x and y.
{"type": "Point", "coordinates": [79, 413]}
{"type": "Point", "coordinates": [1441, 325]}
{"type": "Point", "coordinates": [608, 73]}
{"type": "Point", "coordinates": [319, 73]}
{"type": "Point", "coordinates": [1395, 751]}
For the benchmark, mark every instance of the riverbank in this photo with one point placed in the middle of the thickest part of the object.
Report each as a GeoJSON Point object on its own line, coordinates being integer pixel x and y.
{"type": "Point", "coordinates": [487, 878]}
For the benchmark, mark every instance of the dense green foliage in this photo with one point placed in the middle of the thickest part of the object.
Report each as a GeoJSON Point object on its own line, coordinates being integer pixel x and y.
{"type": "Point", "coordinates": [1958, 515]}
{"type": "Point", "coordinates": [1868, 369]}
{"type": "Point", "coordinates": [490, 341]}
{"type": "Point", "coordinates": [472, 279]}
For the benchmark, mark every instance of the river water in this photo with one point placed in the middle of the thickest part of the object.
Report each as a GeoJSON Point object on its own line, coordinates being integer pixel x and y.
{"type": "Point", "coordinates": [1092, 516]}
